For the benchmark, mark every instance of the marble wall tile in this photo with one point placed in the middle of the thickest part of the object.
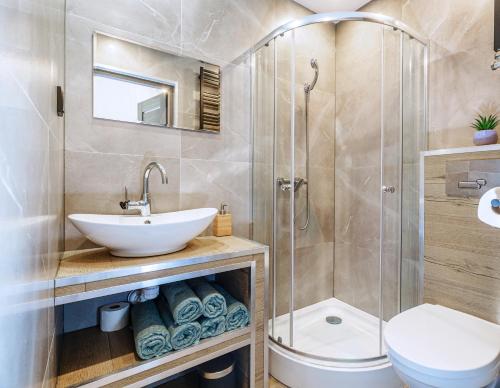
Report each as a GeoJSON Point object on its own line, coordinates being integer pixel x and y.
{"type": "Point", "coordinates": [285, 11]}
{"type": "Point", "coordinates": [262, 199]}
{"type": "Point", "coordinates": [321, 220]}
{"type": "Point", "coordinates": [31, 181]}
{"type": "Point", "coordinates": [207, 183]}
{"type": "Point", "coordinates": [206, 27]}
{"type": "Point", "coordinates": [204, 161]}
{"type": "Point", "coordinates": [460, 85]}
{"type": "Point", "coordinates": [83, 132]}
{"type": "Point", "coordinates": [232, 143]}
{"type": "Point", "coordinates": [314, 245]}
{"type": "Point", "coordinates": [357, 275]}
{"type": "Point", "coordinates": [357, 156]}
{"type": "Point", "coordinates": [461, 82]}
{"type": "Point", "coordinates": [313, 276]}
{"type": "Point", "coordinates": [158, 20]}
{"type": "Point", "coordinates": [95, 183]}
{"type": "Point", "coordinates": [390, 8]}
{"type": "Point", "coordinates": [263, 146]}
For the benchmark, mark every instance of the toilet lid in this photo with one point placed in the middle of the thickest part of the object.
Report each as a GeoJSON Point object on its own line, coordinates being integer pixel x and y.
{"type": "Point", "coordinates": [441, 340]}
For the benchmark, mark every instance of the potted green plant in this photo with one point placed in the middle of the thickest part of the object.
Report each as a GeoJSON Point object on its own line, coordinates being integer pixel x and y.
{"type": "Point", "coordinates": [485, 129]}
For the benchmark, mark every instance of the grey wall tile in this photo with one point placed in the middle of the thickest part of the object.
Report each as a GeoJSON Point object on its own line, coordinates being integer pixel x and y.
{"type": "Point", "coordinates": [31, 186]}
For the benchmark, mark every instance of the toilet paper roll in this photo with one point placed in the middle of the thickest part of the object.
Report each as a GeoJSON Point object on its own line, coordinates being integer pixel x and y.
{"type": "Point", "coordinates": [485, 212]}
{"type": "Point", "coordinates": [114, 316]}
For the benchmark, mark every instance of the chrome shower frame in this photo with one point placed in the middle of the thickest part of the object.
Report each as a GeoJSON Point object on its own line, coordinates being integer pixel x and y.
{"type": "Point", "coordinates": [333, 17]}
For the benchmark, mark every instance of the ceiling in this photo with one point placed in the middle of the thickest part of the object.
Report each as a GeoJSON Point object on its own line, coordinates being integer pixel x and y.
{"type": "Point", "coordinates": [319, 6]}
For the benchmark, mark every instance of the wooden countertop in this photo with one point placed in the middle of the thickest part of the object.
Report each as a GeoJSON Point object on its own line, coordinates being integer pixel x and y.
{"type": "Point", "coordinates": [78, 267]}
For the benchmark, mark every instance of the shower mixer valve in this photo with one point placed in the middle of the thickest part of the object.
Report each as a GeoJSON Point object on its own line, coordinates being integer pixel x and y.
{"type": "Point", "coordinates": [284, 183]}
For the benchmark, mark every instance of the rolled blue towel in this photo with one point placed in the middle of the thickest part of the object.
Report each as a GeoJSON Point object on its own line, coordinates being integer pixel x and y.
{"type": "Point", "coordinates": [184, 305]}
{"type": "Point", "coordinates": [237, 313]}
{"type": "Point", "coordinates": [214, 304]}
{"type": "Point", "coordinates": [181, 336]}
{"type": "Point", "coordinates": [210, 327]}
{"type": "Point", "coordinates": [151, 337]}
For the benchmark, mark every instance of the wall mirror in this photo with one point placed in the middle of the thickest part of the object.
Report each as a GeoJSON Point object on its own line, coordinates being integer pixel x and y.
{"type": "Point", "coordinates": [138, 84]}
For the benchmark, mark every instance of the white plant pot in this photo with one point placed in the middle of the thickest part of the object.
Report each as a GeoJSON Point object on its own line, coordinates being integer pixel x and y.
{"type": "Point", "coordinates": [484, 137]}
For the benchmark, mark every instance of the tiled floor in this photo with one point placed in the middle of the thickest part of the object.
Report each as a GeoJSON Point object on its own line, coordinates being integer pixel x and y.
{"type": "Point", "coordinates": [273, 383]}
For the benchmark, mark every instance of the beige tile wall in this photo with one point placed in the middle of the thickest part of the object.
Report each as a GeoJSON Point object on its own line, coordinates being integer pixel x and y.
{"type": "Point", "coordinates": [357, 165]}
{"type": "Point", "coordinates": [31, 187]}
{"type": "Point", "coordinates": [314, 246]}
{"type": "Point", "coordinates": [461, 84]}
{"type": "Point", "coordinates": [204, 168]}
{"type": "Point", "coordinates": [359, 48]}
{"type": "Point", "coordinates": [461, 51]}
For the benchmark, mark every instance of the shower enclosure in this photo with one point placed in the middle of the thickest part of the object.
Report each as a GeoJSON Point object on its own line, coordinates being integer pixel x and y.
{"type": "Point", "coordinates": [339, 120]}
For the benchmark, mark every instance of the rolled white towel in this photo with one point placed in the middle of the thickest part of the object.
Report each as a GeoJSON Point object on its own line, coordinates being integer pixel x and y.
{"type": "Point", "coordinates": [143, 294]}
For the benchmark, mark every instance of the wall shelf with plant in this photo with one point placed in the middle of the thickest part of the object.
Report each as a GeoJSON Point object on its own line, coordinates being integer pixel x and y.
{"type": "Point", "coordinates": [485, 130]}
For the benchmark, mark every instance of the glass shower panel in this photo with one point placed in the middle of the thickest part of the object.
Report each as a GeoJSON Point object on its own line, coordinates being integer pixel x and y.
{"type": "Point", "coordinates": [359, 50]}
{"type": "Point", "coordinates": [314, 164]}
{"type": "Point", "coordinates": [263, 140]}
{"type": "Point", "coordinates": [339, 120]}
{"type": "Point", "coordinates": [263, 153]}
{"type": "Point", "coordinates": [391, 136]}
{"type": "Point", "coordinates": [414, 128]}
{"type": "Point", "coordinates": [282, 171]}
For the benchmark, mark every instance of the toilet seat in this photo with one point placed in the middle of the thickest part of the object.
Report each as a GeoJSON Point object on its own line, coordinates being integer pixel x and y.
{"type": "Point", "coordinates": [442, 347]}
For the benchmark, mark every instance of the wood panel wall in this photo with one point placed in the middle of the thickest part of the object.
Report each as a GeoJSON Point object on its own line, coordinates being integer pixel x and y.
{"type": "Point", "coordinates": [462, 254]}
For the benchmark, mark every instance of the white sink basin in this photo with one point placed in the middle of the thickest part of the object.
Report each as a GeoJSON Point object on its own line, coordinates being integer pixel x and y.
{"type": "Point", "coordinates": [137, 236]}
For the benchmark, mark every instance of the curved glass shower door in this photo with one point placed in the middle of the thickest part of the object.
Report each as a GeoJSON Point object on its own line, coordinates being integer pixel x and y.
{"type": "Point", "coordinates": [338, 123]}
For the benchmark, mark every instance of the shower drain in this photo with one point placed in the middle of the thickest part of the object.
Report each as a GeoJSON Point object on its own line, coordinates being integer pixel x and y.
{"type": "Point", "coordinates": [333, 320]}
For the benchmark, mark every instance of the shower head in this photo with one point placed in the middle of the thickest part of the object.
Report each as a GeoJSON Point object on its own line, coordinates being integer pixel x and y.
{"type": "Point", "coordinates": [314, 65]}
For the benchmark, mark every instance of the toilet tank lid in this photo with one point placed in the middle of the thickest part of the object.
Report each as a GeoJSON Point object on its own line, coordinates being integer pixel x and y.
{"type": "Point", "coordinates": [440, 339]}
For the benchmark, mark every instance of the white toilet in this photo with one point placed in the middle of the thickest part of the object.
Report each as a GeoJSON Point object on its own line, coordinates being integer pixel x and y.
{"type": "Point", "coordinates": [435, 346]}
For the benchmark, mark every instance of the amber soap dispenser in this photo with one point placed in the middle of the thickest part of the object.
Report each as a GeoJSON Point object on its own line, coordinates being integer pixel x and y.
{"type": "Point", "coordinates": [223, 223]}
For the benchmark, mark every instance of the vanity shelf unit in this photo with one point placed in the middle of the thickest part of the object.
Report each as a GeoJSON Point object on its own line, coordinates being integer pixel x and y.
{"type": "Point", "coordinates": [91, 358]}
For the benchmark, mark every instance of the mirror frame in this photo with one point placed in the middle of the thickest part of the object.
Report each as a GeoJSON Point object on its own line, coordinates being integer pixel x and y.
{"type": "Point", "coordinates": [152, 80]}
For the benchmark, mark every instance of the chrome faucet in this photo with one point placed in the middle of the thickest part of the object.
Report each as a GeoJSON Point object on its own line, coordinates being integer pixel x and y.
{"type": "Point", "coordinates": [144, 204]}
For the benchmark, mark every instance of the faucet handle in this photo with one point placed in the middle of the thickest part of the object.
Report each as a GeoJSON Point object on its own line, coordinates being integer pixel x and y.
{"type": "Point", "coordinates": [124, 204]}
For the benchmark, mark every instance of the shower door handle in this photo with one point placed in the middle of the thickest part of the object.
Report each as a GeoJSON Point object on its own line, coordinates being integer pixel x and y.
{"type": "Point", "coordinates": [285, 185]}
{"type": "Point", "coordinates": [389, 189]}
